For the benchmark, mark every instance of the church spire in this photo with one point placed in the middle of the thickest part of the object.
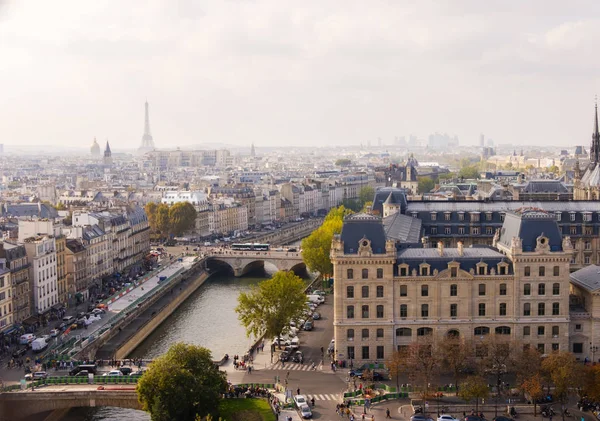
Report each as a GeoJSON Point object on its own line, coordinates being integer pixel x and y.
{"type": "Point", "coordinates": [595, 149]}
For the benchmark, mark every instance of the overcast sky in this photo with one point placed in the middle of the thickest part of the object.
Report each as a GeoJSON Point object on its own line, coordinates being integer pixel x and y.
{"type": "Point", "coordinates": [306, 72]}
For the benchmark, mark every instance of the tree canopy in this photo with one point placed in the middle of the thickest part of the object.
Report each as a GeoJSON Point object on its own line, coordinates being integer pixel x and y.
{"type": "Point", "coordinates": [182, 384]}
{"type": "Point", "coordinates": [166, 220]}
{"type": "Point", "coordinates": [343, 162]}
{"type": "Point", "coordinates": [317, 246]}
{"type": "Point", "coordinates": [269, 307]}
{"type": "Point", "coordinates": [426, 184]}
{"type": "Point", "coordinates": [469, 172]}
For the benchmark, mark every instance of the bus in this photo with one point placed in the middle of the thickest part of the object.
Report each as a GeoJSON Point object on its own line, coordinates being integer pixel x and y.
{"type": "Point", "coordinates": [250, 246]}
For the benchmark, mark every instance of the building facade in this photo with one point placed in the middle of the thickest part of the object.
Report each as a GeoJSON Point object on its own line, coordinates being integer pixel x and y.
{"type": "Point", "coordinates": [6, 301]}
{"type": "Point", "coordinates": [386, 297]}
{"type": "Point", "coordinates": [78, 280]}
{"type": "Point", "coordinates": [14, 258]}
{"type": "Point", "coordinates": [41, 252]}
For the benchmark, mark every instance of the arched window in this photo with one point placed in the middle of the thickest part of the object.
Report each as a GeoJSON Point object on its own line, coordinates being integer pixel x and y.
{"type": "Point", "coordinates": [453, 333]}
{"type": "Point", "coordinates": [350, 274]}
{"type": "Point", "coordinates": [365, 273]}
{"type": "Point", "coordinates": [349, 292]}
{"type": "Point", "coordinates": [350, 334]}
{"type": "Point", "coordinates": [365, 312]}
{"type": "Point", "coordinates": [403, 331]}
{"type": "Point", "coordinates": [424, 331]}
{"type": "Point", "coordinates": [503, 330]}
{"type": "Point", "coordinates": [481, 330]}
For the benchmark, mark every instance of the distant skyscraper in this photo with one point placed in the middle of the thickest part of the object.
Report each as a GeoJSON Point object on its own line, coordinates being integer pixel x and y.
{"type": "Point", "coordinates": [95, 149]}
{"type": "Point", "coordinates": [147, 140]}
{"type": "Point", "coordinates": [252, 150]}
{"type": "Point", "coordinates": [481, 140]}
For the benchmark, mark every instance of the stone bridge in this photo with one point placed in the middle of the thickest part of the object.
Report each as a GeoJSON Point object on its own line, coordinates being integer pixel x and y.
{"type": "Point", "coordinates": [243, 262]}
{"type": "Point", "coordinates": [15, 406]}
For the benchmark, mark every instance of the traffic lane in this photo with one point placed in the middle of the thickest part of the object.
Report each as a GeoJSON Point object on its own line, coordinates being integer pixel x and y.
{"type": "Point", "coordinates": [320, 336]}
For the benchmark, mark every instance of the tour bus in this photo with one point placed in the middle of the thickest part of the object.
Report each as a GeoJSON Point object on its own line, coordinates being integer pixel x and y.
{"type": "Point", "coordinates": [250, 246]}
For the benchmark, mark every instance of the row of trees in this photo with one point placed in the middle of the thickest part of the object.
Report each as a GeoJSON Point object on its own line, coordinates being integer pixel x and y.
{"type": "Point", "coordinates": [475, 364]}
{"type": "Point", "coordinates": [173, 220]}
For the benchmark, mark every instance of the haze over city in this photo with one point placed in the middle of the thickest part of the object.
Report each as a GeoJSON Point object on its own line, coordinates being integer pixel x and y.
{"type": "Point", "coordinates": [311, 73]}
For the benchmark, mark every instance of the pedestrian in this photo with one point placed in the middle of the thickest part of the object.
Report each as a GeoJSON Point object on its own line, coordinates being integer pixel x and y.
{"type": "Point", "coordinates": [387, 413]}
{"type": "Point", "coordinates": [298, 391]}
{"type": "Point", "coordinates": [550, 417]}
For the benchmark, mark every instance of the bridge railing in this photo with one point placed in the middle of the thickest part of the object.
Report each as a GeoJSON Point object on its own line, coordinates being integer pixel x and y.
{"type": "Point", "coordinates": [68, 380]}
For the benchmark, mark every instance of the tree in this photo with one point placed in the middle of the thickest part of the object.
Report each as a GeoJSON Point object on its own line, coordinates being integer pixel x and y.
{"type": "Point", "coordinates": [182, 384]}
{"type": "Point", "coordinates": [553, 169]}
{"type": "Point", "coordinates": [365, 194]}
{"type": "Point", "coordinates": [397, 365]}
{"type": "Point", "coordinates": [527, 363]}
{"type": "Point", "coordinates": [162, 219]}
{"type": "Point", "coordinates": [474, 387]}
{"type": "Point", "coordinates": [469, 172]}
{"type": "Point", "coordinates": [457, 355]}
{"type": "Point", "coordinates": [269, 307]}
{"type": "Point", "coordinates": [496, 360]}
{"type": "Point", "coordinates": [591, 382]}
{"type": "Point", "coordinates": [533, 387]}
{"type": "Point", "coordinates": [422, 363]}
{"type": "Point", "coordinates": [151, 208]}
{"type": "Point", "coordinates": [564, 372]}
{"type": "Point", "coordinates": [343, 162]}
{"type": "Point", "coordinates": [317, 246]}
{"type": "Point", "coordinates": [182, 217]}
{"type": "Point", "coordinates": [426, 184]}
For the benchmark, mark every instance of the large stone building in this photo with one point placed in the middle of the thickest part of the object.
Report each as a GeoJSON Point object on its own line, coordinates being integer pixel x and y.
{"type": "Point", "coordinates": [41, 253]}
{"type": "Point", "coordinates": [387, 295]}
{"type": "Point", "coordinates": [78, 280]}
{"type": "Point", "coordinates": [14, 258]}
{"type": "Point", "coordinates": [6, 301]}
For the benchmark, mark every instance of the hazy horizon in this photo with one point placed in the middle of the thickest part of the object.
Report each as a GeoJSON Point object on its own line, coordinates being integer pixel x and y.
{"type": "Point", "coordinates": [307, 74]}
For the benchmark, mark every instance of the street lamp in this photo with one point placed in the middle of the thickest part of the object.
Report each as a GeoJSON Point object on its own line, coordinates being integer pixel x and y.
{"type": "Point", "coordinates": [594, 349]}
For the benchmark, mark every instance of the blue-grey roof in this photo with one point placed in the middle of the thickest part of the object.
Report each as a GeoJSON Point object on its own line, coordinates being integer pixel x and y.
{"type": "Point", "coordinates": [528, 224]}
{"type": "Point", "coordinates": [40, 210]}
{"type": "Point", "coordinates": [587, 277]}
{"type": "Point", "coordinates": [359, 226]}
{"type": "Point", "coordinates": [405, 229]}
{"type": "Point", "coordinates": [469, 259]}
{"type": "Point", "coordinates": [545, 186]}
{"type": "Point", "coordinates": [382, 194]}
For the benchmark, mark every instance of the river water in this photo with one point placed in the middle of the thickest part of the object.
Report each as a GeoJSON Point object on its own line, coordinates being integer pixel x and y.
{"type": "Point", "coordinates": [207, 319]}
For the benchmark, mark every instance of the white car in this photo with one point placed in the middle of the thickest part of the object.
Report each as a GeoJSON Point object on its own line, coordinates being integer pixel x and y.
{"type": "Point", "coordinates": [54, 333]}
{"type": "Point", "coordinates": [300, 400]}
{"type": "Point", "coordinates": [113, 373]}
{"type": "Point", "coordinates": [446, 417]}
{"type": "Point", "coordinates": [305, 411]}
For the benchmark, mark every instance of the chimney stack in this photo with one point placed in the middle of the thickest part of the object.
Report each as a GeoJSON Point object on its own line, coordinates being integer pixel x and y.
{"type": "Point", "coordinates": [460, 248]}
{"type": "Point", "coordinates": [440, 248]}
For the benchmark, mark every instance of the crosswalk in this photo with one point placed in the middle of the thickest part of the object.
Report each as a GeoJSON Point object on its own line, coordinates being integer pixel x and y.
{"type": "Point", "coordinates": [298, 367]}
{"type": "Point", "coordinates": [324, 397]}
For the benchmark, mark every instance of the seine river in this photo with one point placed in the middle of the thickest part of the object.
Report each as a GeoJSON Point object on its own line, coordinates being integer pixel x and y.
{"type": "Point", "coordinates": [207, 318]}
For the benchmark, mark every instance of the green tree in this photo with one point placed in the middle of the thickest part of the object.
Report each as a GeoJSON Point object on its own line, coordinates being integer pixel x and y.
{"type": "Point", "coordinates": [269, 307]}
{"type": "Point", "coordinates": [469, 172]}
{"type": "Point", "coordinates": [317, 246]}
{"type": "Point", "coordinates": [343, 162]}
{"type": "Point", "coordinates": [182, 384]}
{"type": "Point", "coordinates": [553, 169]}
{"type": "Point", "coordinates": [474, 387]}
{"type": "Point", "coordinates": [182, 217]}
{"type": "Point", "coordinates": [151, 209]}
{"type": "Point", "coordinates": [162, 219]}
{"type": "Point", "coordinates": [426, 184]}
{"type": "Point", "coordinates": [365, 194]}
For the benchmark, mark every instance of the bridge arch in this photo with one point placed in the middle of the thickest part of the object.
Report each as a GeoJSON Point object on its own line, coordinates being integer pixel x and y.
{"type": "Point", "coordinates": [17, 406]}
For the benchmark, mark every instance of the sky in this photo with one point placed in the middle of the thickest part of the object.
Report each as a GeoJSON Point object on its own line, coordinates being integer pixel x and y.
{"type": "Point", "coordinates": [310, 72]}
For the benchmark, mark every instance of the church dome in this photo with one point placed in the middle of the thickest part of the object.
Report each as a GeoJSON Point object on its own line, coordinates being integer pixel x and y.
{"type": "Point", "coordinates": [95, 149]}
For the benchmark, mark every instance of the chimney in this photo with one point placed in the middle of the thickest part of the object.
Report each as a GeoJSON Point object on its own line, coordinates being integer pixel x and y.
{"type": "Point", "coordinates": [460, 248]}
{"type": "Point", "coordinates": [440, 248]}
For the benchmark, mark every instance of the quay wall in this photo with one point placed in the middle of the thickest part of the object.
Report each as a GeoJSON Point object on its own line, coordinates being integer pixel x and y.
{"type": "Point", "coordinates": [134, 341]}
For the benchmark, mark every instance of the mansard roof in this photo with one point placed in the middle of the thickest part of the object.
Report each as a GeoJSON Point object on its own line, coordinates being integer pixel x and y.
{"type": "Point", "coordinates": [405, 229]}
{"type": "Point", "coordinates": [587, 278]}
{"type": "Point", "coordinates": [359, 226]}
{"type": "Point", "coordinates": [398, 196]}
{"type": "Point", "coordinates": [528, 224]}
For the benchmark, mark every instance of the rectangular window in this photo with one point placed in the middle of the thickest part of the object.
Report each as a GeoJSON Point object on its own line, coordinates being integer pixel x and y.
{"type": "Point", "coordinates": [572, 216]}
{"type": "Point", "coordinates": [489, 230]}
{"type": "Point", "coordinates": [453, 290]}
{"type": "Point", "coordinates": [349, 292]}
{"type": "Point", "coordinates": [447, 230]}
{"type": "Point", "coordinates": [453, 272]}
{"type": "Point", "coordinates": [461, 230]}
{"type": "Point", "coordinates": [541, 330]}
{"type": "Point", "coordinates": [461, 216]}
{"type": "Point", "coordinates": [403, 291]}
{"type": "Point", "coordinates": [365, 291]}
{"type": "Point", "coordinates": [578, 348]}
{"type": "Point", "coordinates": [527, 271]}
{"type": "Point", "coordinates": [586, 260]}
{"type": "Point", "coordinates": [351, 352]}
{"type": "Point", "coordinates": [556, 289]}
{"type": "Point", "coordinates": [403, 310]}
{"type": "Point", "coordinates": [573, 230]}
{"type": "Point", "coordinates": [475, 230]}
{"type": "Point", "coordinates": [482, 309]}
{"type": "Point", "coordinates": [425, 310]}
{"type": "Point", "coordinates": [555, 309]}
{"type": "Point", "coordinates": [555, 347]}
{"type": "Point", "coordinates": [481, 270]}
{"type": "Point", "coordinates": [379, 273]}
{"type": "Point", "coordinates": [542, 271]}
{"type": "Point", "coordinates": [502, 309]}
{"type": "Point", "coordinates": [447, 216]}
{"type": "Point", "coordinates": [481, 289]}
{"type": "Point", "coordinates": [526, 330]}
{"type": "Point", "coordinates": [350, 274]}
{"type": "Point", "coordinates": [350, 334]}
{"type": "Point", "coordinates": [365, 352]}
{"type": "Point", "coordinates": [526, 309]}
{"type": "Point", "coordinates": [424, 291]}
{"type": "Point", "coordinates": [556, 271]}
{"type": "Point", "coordinates": [380, 333]}
{"type": "Point", "coordinates": [453, 310]}
{"type": "Point", "coordinates": [380, 355]}
{"type": "Point", "coordinates": [380, 312]}
{"type": "Point", "coordinates": [365, 312]}
{"type": "Point", "coordinates": [365, 273]}
{"type": "Point", "coordinates": [365, 334]}
{"type": "Point", "coordinates": [541, 309]}
{"type": "Point", "coordinates": [527, 289]}
{"type": "Point", "coordinates": [542, 289]}
{"type": "Point", "coordinates": [433, 216]}
{"type": "Point", "coordinates": [350, 312]}
{"type": "Point", "coordinates": [555, 330]}
{"type": "Point", "coordinates": [403, 271]}
{"type": "Point", "coordinates": [433, 230]}
{"type": "Point", "coordinates": [502, 289]}
{"type": "Point", "coordinates": [424, 271]}
{"type": "Point", "coordinates": [379, 291]}
{"type": "Point", "coordinates": [541, 348]}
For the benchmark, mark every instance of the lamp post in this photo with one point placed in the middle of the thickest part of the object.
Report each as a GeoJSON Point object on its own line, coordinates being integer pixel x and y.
{"type": "Point", "coordinates": [594, 349]}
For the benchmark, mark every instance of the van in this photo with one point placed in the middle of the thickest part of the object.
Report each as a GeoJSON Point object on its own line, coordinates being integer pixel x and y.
{"type": "Point", "coordinates": [27, 339]}
{"type": "Point", "coordinates": [315, 299]}
{"type": "Point", "coordinates": [91, 368]}
{"type": "Point", "coordinates": [68, 319]}
{"type": "Point", "coordinates": [39, 345]}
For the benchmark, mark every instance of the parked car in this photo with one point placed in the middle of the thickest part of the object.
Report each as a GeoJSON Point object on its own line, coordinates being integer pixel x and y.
{"type": "Point", "coordinates": [82, 373]}
{"type": "Point", "coordinates": [54, 333]}
{"type": "Point", "coordinates": [420, 417]}
{"type": "Point", "coordinates": [298, 357]}
{"type": "Point", "coordinates": [38, 375]}
{"type": "Point", "coordinates": [355, 373]}
{"type": "Point", "coordinates": [316, 316]}
{"type": "Point", "coordinates": [284, 356]}
{"type": "Point", "coordinates": [308, 325]}
{"type": "Point", "coordinates": [446, 417]}
{"type": "Point", "coordinates": [300, 400]}
{"type": "Point", "coordinates": [113, 373]}
{"type": "Point", "coordinates": [126, 370]}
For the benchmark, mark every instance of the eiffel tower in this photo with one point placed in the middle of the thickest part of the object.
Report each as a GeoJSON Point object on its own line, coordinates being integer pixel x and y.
{"type": "Point", "coordinates": [147, 141]}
